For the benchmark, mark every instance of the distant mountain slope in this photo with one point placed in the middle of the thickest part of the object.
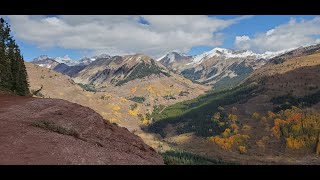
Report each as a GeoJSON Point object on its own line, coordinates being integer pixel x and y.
{"type": "Point", "coordinates": [139, 76]}
{"type": "Point", "coordinates": [69, 70]}
{"type": "Point", "coordinates": [218, 67]}
{"type": "Point", "coordinates": [175, 61]}
{"type": "Point", "coordinates": [45, 61]}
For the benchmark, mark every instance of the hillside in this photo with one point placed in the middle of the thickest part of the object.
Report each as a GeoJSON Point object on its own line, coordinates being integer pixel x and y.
{"type": "Point", "coordinates": [65, 134]}
{"type": "Point", "coordinates": [270, 118]}
{"type": "Point", "coordinates": [139, 78]}
{"type": "Point", "coordinates": [124, 112]}
{"type": "Point", "coordinates": [59, 86]}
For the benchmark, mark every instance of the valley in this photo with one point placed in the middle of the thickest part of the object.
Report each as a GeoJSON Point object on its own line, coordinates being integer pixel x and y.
{"type": "Point", "coordinates": [171, 113]}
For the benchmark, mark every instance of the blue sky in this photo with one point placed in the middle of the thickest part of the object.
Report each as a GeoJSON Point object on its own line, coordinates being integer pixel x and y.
{"type": "Point", "coordinates": [55, 43]}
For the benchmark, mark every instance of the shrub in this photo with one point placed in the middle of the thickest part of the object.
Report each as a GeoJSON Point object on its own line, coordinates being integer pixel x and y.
{"type": "Point", "coordinates": [138, 99]}
{"type": "Point", "coordinates": [51, 126]}
{"type": "Point", "coordinates": [87, 87]}
{"type": "Point", "coordinates": [133, 106]}
{"type": "Point", "coordinates": [242, 149]}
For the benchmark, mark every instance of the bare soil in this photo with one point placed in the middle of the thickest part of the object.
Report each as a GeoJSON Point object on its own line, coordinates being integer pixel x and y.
{"type": "Point", "coordinates": [96, 142]}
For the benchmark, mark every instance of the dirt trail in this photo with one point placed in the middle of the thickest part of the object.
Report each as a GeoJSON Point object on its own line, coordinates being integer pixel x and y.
{"type": "Point", "coordinates": [75, 135]}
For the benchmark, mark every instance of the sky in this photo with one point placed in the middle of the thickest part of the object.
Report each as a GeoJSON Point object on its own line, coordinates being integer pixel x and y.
{"type": "Point", "coordinates": [81, 36]}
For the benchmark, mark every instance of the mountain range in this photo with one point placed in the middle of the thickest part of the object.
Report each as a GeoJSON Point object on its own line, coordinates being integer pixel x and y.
{"type": "Point", "coordinates": [218, 67]}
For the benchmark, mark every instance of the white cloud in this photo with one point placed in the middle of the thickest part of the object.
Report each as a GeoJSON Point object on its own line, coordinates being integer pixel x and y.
{"type": "Point", "coordinates": [290, 35]}
{"type": "Point", "coordinates": [121, 34]}
{"type": "Point", "coordinates": [242, 42]}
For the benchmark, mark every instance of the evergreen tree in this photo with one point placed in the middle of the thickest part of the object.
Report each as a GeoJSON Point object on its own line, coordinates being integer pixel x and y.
{"type": "Point", "coordinates": [13, 74]}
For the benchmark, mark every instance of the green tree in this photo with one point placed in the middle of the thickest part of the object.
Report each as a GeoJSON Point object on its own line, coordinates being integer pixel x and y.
{"type": "Point", "coordinates": [13, 74]}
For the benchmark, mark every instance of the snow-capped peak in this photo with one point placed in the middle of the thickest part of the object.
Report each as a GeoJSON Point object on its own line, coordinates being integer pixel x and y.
{"type": "Point", "coordinates": [42, 57]}
{"type": "Point", "coordinates": [209, 54]}
{"type": "Point", "coordinates": [173, 56]}
{"type": "Point", "coordinates": [63, 59]}
{"type": "Point", "coordinates": [226, 53]}
{"type": "Point", "coordinates": [93, 58]}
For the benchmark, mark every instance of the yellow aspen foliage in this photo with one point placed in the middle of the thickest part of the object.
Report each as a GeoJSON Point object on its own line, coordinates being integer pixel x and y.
{"type": "Point", "coordinates": [276, 131]}
{"type": "Point", "coordinates": [235, 128]}
{"type": "Point", "coordinates": [233, 117]}
{"type": "Point", "coordinates": [113, 120]}
{"type": "Point", "coordinates": [221, 124]}
{"type": "Point", "coordinates": [255, 115]}
{"type": "Point", "coordinates": [146, 122]}
{"type": "Point", "coordinates": [227, 143]}
{"type": "Point", "coordinates": [123, 100]}
{"type": "Point", "coordinates": [133, 90]}
{"type": "Point", "coordinates": [294, 143]}
{"type": "Point", "coordinates": [271, 115]}
{"type": "Point", "coordinates": [226, 132]}
{"type": "Point", "coordinates": [134, 112]}
{"type": "Point", "coordinates": [116, 108]}
{"type": "Point", "coordinates": [242, 149]}
{"type": "Point", "coordinates": [223, 143]}
{"type": "Point", "coordinates": [263, 120]}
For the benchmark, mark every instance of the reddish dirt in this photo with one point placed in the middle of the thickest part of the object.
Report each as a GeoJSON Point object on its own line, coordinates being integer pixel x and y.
{"type": "Point", "coordinates": [99, 142]}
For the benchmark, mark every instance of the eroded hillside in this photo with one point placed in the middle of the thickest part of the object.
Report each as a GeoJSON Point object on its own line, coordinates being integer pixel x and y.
{"type": "Point", "coordinates": [57, 132]}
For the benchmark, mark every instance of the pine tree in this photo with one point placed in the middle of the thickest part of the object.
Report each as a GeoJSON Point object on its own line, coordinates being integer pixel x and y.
{"type": "Point", "coordinates": [5, 71]}
{"type": "Point", "coordinates": [13, 74]}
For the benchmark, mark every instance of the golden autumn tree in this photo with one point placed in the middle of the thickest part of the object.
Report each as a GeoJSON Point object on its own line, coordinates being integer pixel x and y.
{"type": "Point", "coordinates": [255, 115]}
{"type": "Point", "coordinates": [242, 149]}
{"type": "Point", "coordinates": [233, 117]}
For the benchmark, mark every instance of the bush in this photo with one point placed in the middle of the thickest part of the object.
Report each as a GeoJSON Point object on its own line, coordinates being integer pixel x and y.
{"type": "Point", "coordinates": [138, 99]}
{"type": "Point", "coordinates": [133, 106]}
{"type": "Point", "coordinates": [168, 97]}
{"type": "Point", "coordinates": [87, 87]}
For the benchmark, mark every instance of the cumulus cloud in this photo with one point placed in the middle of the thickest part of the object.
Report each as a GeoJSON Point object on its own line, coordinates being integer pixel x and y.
{"type": "Point", "coordinates": [121, 34]}
{"type": "Point", "coordinates": [290, 35]}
